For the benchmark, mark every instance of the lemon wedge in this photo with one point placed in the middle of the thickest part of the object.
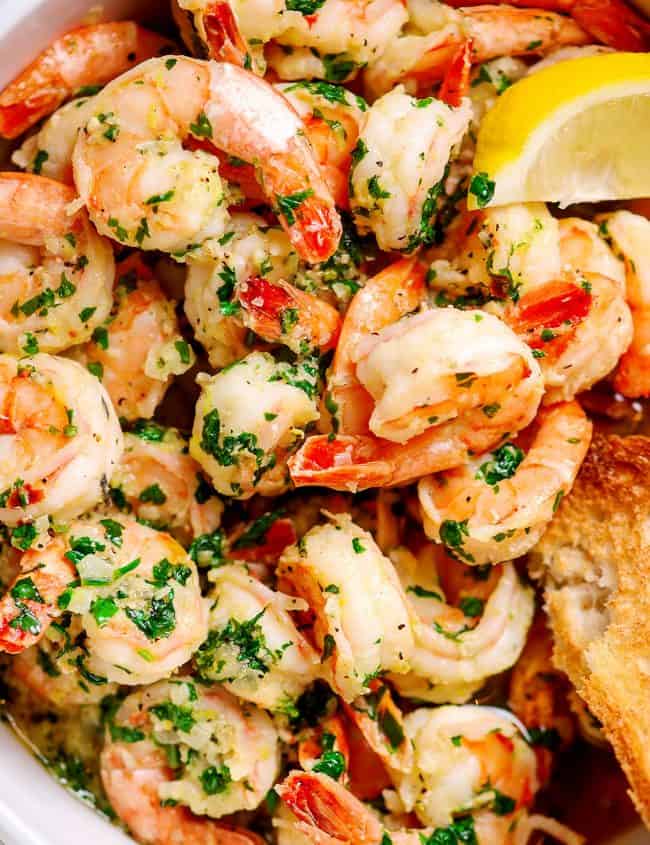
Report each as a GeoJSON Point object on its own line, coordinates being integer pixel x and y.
{"type": "Point", "coordinates": [578, 131]}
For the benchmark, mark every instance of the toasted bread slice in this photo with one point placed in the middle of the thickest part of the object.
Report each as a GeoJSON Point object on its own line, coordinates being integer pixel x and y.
{"type": "Point", "coordinates": [595, 562]}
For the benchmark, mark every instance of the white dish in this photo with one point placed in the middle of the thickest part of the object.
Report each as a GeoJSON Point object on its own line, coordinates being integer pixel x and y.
{"type": "Point", "coordinates": [34, 808]}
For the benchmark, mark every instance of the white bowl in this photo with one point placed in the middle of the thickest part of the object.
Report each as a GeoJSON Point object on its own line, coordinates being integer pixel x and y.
{"type": "Point", "coordinates": [34, 808]}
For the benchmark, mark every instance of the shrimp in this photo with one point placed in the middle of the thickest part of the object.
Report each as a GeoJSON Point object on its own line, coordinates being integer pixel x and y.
{"type": "Point", "coordinates": [612, 22]}
{"type": "Point", "coordinates": [324, 748]}
{"type": "Point", "coordinates": [420, 58]}
{"type": "Point", "coordinates": [48, 152]}
{"type": "Point", "coordinates": [497, 506]}
{"type": "Point", "coordinates": [176, 751]}
{"type": "Point", "coordinates": [139, 347]}
{"type": "Point", "coordinates": [144, 189]}
{"type": "Point", "coordinates": [253, 646]}
{"type": "Point", "coordinates": [248, 419]}
{"type": "Point", "coordinates": [627, 233]}
{"type": "Point", "coordinates": [297, 42]}
{"type": "Point", "coordinates": [60, 439]}
{"type": "Point", "coordinates": [162, 485]}
{"type": "Point", "coordinates": [468, 624]}
{"type": "Point", "coordinates": [84, 57]}
{"type": "Point", "coordinates": [361, 620]}
{"type": "Point", "coordinates": [135, 590]}
{"type": "Point", "coordinates": [56, 272]}
{"type": "Point", "coordinates": [400, 165]}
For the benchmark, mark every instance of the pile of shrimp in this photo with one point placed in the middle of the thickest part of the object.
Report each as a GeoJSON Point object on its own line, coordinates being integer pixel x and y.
{"type": "Point", "coordinates": [239, 262]}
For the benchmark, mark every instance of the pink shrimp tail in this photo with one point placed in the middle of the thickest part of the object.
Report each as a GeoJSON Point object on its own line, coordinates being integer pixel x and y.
{"type": "Point", "coordinates": [455, 84]}
{"type": "Point", "coordinates": [224, 38]}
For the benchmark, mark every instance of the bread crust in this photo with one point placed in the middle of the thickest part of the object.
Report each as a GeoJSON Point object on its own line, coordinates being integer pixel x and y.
{"type": "Point", "coordinates": [595, 562]}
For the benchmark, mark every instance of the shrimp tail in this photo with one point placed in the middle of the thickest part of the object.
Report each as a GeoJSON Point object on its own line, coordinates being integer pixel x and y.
{"type": "Point", "coordinates": [277, 311]}
{"type": "Point", "coordinates": [225, 41]}
{"type": "Point", "coordinates": [323, 806]}
{"type": "Point", "coordinates": [455, 84]}
{"type": "Point", "coordinates": [614, 23]}
{"type": "Point", "coordinates": [346, 462]}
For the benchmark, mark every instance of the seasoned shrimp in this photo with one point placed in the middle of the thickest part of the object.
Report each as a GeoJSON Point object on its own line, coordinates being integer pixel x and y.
{"type": "Point", "coordinates": [361, 620]}
{"type": "Point", "coordinates": [161, 484]}
{"type": "Point", "coordinates": [144, 189]}
{"type": "Point", "coordinates": [420, 58]}
{"type": "Point", "coordinates": [468, 624]}
{"type": "Point", "coordinates": [60, 439]}
{"type": "Point", "coordinates": [85, 57]}
{"type": "Point", "coordinates": [628, 235]}
{"type": "Point", "coordinates": [253, 646]}
{"type": "Point", "coordinates": [49, 151]}
{"type": "Point", "coordinates": [56, 272]}
{"type": "Point", "coordinates": [139, 347]}
{"type": "Point", "coordinates": [498, 505]}
{"type": "Point", "coordinates": [248, 419]}
{"type": "Point", "coordinates": [400, 164]}
{"type": "Point", "coordinates": [306, 42]}
{"type": "Point", "coordinates": [135, 590]}
{"type": "Point", "coordinates": [611, 21]}
{"type": "Point", "coordinates": [176, 749]}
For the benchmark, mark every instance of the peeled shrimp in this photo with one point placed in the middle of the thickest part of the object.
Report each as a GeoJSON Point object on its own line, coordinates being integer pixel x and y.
{"type": "Point", "coordinates": [420, 58]}
{"type": "Point", "coordinates": [162, 485]}
{"type": "Point", "coordinates": [139, 348]}
{"type": "Point", "coordinates": [253, 646]}
{"type": "Point", "coordinates": [144, 189]}
{"type": "Point", "coordinates": [56, 272]}
{"type": "Point", "coordinates": [86, 56]}
{"type": "Point", "coordinates": [361, 620]}
{"type": "Point", "coordinates": [60, 439]}
{"type": "Point", "coordinates": [467, 624]}
{"type": "Point", "coordinates": [498, 505]}
{"type": "Point", "coordinates": [248, 419]}
{"type": "Point", "coordinates": [176, 749]}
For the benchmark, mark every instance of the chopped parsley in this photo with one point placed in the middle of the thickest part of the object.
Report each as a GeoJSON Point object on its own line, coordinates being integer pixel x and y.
{"type": "Point", "coordinates": [482, 187]}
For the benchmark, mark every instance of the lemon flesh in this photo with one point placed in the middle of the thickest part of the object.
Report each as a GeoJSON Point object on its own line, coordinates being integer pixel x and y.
{"type": "Point", "coordinates": [578, 131]}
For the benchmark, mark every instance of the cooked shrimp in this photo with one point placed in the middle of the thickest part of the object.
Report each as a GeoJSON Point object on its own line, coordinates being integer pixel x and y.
{"type": "Point", "coordinates": [209, 29]}
{"type": "Point", "coordinates": [306, 42]}
{"type": "Point", "coordinates": [400, 165]}
{"type": "Point", "coordinates": [420, 58]}
{"type": "Point", "coordinates": [162, 485]}
{"type": "Point", "coordinates": [49, 151]}
{"type": "Point", "coordinates": [628, 233]}
{"type": "Point", "coordinates": [497, 506]}
{"type": "Point", "coordinates": [177, 749]}
{"type": "Point", "coordinates": [613, 22]}
{"type": "Point", "coordinates": [468, 624]}
{"type": "Point", "coordinates": [60, 439]}
{"type": "Point", "coordinates": [248, 419]}
{"type": "Point", "coordinates": [139, 347]}
{"type": "Point", "coordinates": [56, 272]}
{"type": "Point", "coordinates": [361, 620]}
{"type": "Point", "coordinates": [538, 695]}
{"type": "Point", "coordinates": [253, 646]}
{"type": "Point", "coordinates": [324, 748]}
{"type": "Point", "coordinates": [85, 57]}
{"type": "Point", "coordinates": [142, 187]}
{"type": "Point", "coordinates": [332, 117]}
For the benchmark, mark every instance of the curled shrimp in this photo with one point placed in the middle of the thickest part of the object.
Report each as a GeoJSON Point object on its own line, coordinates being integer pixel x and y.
{"type": "Point", "coordinates": [400, 164]}
{"type": "Point", "coordinates": [420, 59]}
{"type": "Point", "coordinates": [122, 156]}
{"type": "Point", "coordinates": [627, 233]}
{"type": "Point", "coordinates": [497, 506]}
{"type": "Point", "coordinates": [248, 419]}
{"type": "Point", "coordinates": [175, 751]}
{"type": "Point", "coordinates": [135, 590]}
{"type": "Point", "coordinates": [85, 57]}
{"type": "Point", "coordinates": [139, 347]}
{"type": "Point", "coordinates": [467, 623]}
{"type": "Point", "coordinates": [60, 439]}
{"type": "Point", "coordinates": [612, 22]}
{"type": "Point", "coordinates": [281, 665]}
{"type": "Point", "coordinates": [56, 272]}
{"type": "Point", "coordinates": [361, 622]}
{"type": "Point", "coordinates": [161, 484]}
